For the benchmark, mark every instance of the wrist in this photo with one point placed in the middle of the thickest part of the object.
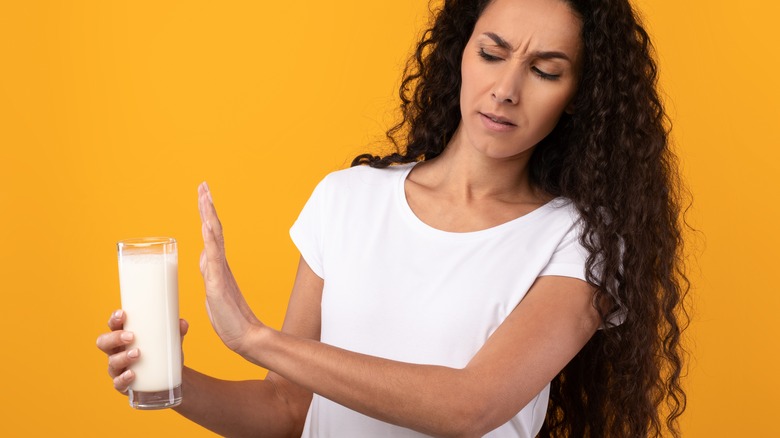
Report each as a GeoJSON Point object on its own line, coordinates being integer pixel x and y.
{"type": "Point", "coordinates": [254, 345]}
{"type": "Point", "coordinates": [187, 387]}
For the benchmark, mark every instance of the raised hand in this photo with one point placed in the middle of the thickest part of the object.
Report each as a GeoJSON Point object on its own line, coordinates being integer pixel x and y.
{"type": "Point", "coordinates": [228, 311]}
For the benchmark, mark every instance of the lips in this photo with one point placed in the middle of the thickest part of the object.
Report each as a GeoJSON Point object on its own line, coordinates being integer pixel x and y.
{"type": "Point", "coordinates": [498, 119]}
{"type": "Point", "coordinates": [496, 124]}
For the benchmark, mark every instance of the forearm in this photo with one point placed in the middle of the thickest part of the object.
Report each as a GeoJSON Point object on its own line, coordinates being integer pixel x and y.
{"type": "Point", "coordinates": [431, 399]}
{"type": "Point", "coordinates": [237, 408]}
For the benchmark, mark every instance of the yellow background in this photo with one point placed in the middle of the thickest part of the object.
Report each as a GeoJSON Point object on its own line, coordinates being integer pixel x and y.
{"type": "Point", "coordinates": [111, 113]}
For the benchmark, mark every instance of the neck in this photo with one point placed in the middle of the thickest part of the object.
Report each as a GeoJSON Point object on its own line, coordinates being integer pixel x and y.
{"type": "Point", "coordinates": [463, 172]}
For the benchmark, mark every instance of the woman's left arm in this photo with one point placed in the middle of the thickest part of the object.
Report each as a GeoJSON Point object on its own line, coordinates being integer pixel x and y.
{"type": "Point", "coordinates": [543, 333]}
{"type": "Point", "coordinates": [530, 347]}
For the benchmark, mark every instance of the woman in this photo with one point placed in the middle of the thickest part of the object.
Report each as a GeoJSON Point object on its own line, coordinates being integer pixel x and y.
{"type": "Point", "coordinates": [514, 270]}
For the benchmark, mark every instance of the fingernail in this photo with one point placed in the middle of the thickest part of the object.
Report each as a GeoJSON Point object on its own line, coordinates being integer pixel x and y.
{"type": "Point", "coordinates": [127, 336]}
{"type": "Point", "coordinates": [118, 314]}
{"type": "Point", "coordinates": [127, 374]}
{"type": "Point", "coordinates": [206, 185]}
{"type": "Point", "coordinates": [211, 200]}
{"type": "Point", "coordinates": [133, 353]}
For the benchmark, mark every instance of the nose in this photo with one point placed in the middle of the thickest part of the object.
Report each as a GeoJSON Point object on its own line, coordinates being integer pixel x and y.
{"type": "Point", "coordinates": [507, 87]}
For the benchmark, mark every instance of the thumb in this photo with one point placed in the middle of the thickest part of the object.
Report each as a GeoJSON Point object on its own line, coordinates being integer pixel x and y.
{"type": "Point", "coordinates": [208, 312]}
{"type": "Point", "coordinates": [184, 326]}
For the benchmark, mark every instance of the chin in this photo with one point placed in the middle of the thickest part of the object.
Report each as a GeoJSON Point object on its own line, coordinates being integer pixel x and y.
{"type": "Point", "coordinates": [498, 150]}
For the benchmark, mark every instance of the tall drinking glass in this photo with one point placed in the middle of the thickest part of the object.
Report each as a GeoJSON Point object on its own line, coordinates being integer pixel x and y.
{"type": "Point", "coordinates": [148, 283]}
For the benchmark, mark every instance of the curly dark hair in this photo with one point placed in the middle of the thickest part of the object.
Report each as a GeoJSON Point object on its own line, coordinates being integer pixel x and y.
{"type": "Point", "coordinates": [612, 158]}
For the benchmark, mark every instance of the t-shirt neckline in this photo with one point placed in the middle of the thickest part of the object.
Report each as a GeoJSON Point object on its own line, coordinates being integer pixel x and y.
{"type": "Point", "coordinates": [417, 223]}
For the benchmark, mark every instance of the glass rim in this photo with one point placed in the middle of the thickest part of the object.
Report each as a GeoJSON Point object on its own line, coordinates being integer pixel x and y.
{"type": "Point", "coordinates": [143, 242]}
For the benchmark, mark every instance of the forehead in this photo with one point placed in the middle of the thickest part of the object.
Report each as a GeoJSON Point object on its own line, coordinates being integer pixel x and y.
{"type": "Point", "coordinates": [533, 24]}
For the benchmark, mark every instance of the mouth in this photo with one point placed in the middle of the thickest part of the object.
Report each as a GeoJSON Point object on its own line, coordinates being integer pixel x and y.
{"type": "Point", "coordinates": [497, 119]}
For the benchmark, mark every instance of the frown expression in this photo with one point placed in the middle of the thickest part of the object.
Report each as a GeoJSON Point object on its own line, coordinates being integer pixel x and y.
{"type": "Point", "coordinates": [520, 71]}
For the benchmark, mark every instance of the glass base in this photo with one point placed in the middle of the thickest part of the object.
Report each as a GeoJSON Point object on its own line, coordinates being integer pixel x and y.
{"type": "Point", "coordinates": [156, 399]}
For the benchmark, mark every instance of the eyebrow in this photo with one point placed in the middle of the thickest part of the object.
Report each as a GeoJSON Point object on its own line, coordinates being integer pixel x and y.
{"type": "Point", "coordinates": [540, 54]}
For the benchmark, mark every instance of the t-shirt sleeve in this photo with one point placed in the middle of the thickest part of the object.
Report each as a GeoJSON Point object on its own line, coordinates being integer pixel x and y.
{"type": "Point", "coordinates": [568, 259]}
{"type": "Point", "coordinates": [307, 232]}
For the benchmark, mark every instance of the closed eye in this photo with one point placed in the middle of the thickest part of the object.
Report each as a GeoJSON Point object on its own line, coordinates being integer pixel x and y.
{"type": "Point", "coordinates": [487, 56]}
{"type": "Point", "coordinates": [545, 76]}
{"type": "Point", "coordinates": [541, 74]}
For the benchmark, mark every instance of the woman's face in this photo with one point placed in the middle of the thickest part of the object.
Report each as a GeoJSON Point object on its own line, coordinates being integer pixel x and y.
{"type": "Point", "coordinates": [520, 71]}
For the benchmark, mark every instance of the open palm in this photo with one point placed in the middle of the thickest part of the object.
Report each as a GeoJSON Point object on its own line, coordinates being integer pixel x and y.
{"type": "Point", "coordinates": [228, 311]}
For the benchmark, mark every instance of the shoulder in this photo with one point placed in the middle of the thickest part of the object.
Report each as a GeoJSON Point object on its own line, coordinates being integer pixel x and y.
{"type": "Point", "coordinates": [363, 177]}
{"type": "Point", "coordinates": [562, 212]}
{"type": "Point", "coordinates": [562, 204]}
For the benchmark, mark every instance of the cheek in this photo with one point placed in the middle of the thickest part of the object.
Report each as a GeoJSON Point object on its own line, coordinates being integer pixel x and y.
{"type": "Point", "coordinates": [469, 83]}
{"type": "Point", "coordinates": [465, 82]}
{"type": "Point", "coordinates": [549, 108]}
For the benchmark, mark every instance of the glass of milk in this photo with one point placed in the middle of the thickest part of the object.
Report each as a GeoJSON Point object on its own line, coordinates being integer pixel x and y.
{"type": "Point", "coordinates": [148, 282]}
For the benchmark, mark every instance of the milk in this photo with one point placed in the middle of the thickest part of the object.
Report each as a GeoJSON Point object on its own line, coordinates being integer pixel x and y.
{"type": "Point", "coordinates": [149, 288]}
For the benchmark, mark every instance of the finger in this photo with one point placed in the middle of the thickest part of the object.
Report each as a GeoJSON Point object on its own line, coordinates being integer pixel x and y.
{"type": "Point", "coordinates": [214, 247]}
{"type": "Point", "coordinates": [112, 342]}
{"type": "Point", "coordinates": [202, 202]}
{"type": "Point", "coordinates": [117, 320]}
{"type": "Point", "coordinates": [205, 204]}
{"type": "Point", "coordinates": [184, 326]}
{"type": "Point", "coordinates": [122, 381]}
{"type": "Point", "coordinates": [118, 363]}
{"type": "Point", "coordinates": [215, 255]}
{"type": "Point", "coordinates": [210, 214]}
{"type": "Point", "coordinates": [203, 261]}
{"type": "Point", "coordinates": [201, 192]}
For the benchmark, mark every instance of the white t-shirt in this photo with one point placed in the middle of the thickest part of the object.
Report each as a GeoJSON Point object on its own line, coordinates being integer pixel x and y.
{"type": "Point", "coordinates": [396, 288]}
